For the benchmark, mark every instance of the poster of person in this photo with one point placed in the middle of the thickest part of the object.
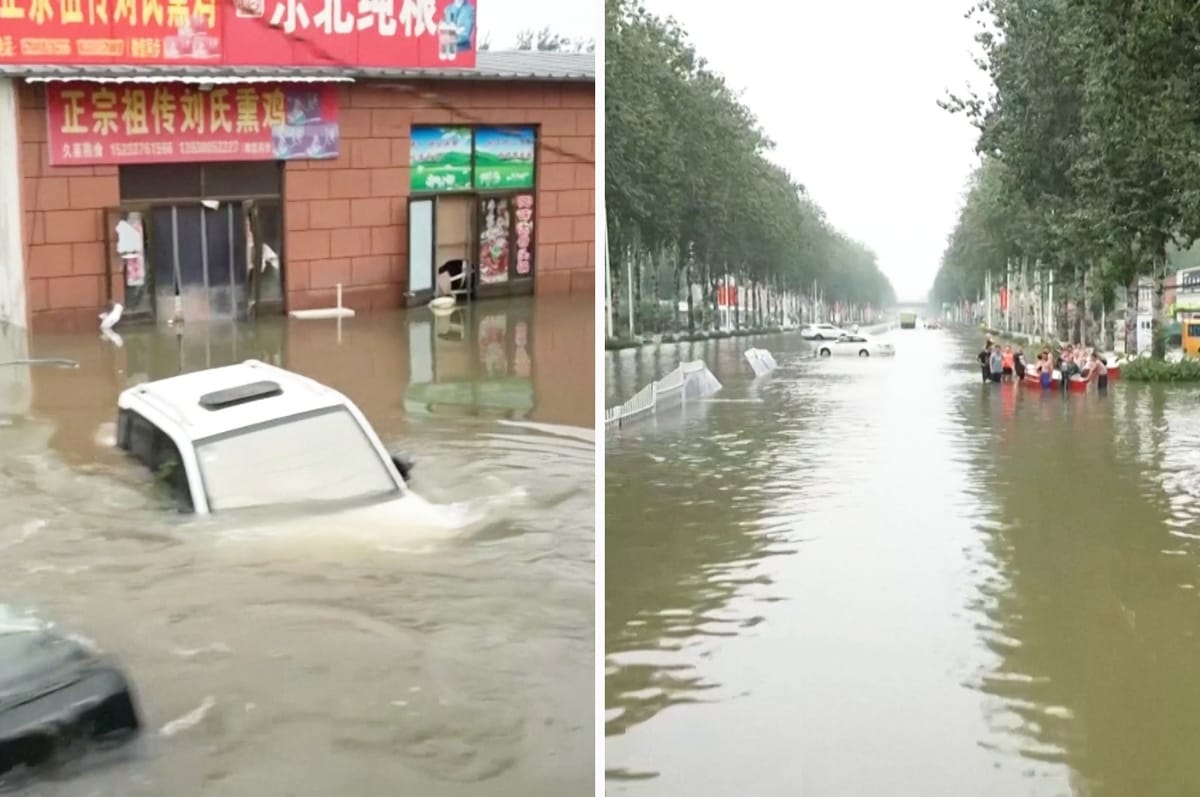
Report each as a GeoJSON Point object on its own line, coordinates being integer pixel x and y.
{"type": "Point", "coordinates": [456, 31]}
{"type": "Point", "coordinates": [494, 241]}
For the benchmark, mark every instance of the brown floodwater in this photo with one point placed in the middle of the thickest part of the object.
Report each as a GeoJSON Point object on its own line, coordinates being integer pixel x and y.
{"type": "Point", "coordinates": [335, 661]}
{"type": "Point", "coordinates": [880, 576]}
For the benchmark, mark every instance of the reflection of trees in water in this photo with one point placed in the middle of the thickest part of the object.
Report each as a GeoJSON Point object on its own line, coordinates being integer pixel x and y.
{"type": "Point", "coordinates": [686, 527]}
{"type": "Point", "coordinates": [1094, 633]}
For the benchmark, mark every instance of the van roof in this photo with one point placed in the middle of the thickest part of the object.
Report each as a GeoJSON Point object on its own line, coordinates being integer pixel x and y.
{"type": "Point", "coordinates": [220, 400]}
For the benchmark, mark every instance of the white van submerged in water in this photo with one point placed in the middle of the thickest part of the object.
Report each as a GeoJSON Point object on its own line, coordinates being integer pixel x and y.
{"type": "Point", "coordinates": [253, 435]}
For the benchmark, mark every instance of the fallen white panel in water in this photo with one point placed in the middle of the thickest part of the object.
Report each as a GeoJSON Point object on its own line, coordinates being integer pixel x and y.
{"type": "Point", "coordinates": [761, 361]}
{"type": "Point", "coordinates": [324, 312]}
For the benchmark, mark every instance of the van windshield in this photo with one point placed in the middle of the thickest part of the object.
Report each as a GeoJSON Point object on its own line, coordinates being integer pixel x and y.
{"type": "Point", "coordinates": [316, 457]}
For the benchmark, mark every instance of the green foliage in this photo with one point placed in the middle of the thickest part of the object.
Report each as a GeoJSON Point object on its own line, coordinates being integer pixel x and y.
{"type": "Point", "coordinates": [655, 317]}
{"type": "Point", "coordinates": [686, 171]}
{"type": "Point", "coordinates": [1147, 369]}
{"type": "Point", "coordinates": [1089, 143]}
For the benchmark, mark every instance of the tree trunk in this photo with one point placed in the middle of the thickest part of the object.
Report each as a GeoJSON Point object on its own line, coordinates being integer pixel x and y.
{"type": "Point", "coordinates": [1131, 315]}
{"type": "Point", "coordinates": [1158, 339]}
{"type": "Point", "coordinates": [688, 281]}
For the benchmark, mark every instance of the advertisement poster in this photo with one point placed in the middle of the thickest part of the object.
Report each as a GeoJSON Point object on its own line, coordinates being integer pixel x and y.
{"type": "Point", "coordinates": [440, 158]}
{"type": "Point", "coordinates": [504, 157]}
{"type": "Point", "coordinates": [406, 34]}
{"type": "Point", "coordinates": [494, 241]}
{"type": "Point", "coordinates": [89, 123]}
{"type": "Point", "coordinates": [524, 204]}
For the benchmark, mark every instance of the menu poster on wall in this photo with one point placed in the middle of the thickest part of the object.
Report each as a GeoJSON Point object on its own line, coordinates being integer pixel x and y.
{"type": "Point", "coordinates": [96, 123]}
{"type": "Point", "coordinates": [440, 159]}
{"type": "Point", "coordinates": [504, 157]}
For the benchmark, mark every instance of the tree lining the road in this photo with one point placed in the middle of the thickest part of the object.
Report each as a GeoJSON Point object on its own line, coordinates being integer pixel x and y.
{"type": "Point", "coordinates": [693, 199]}
{"type": "Point", "coordinates": [1090, 144]}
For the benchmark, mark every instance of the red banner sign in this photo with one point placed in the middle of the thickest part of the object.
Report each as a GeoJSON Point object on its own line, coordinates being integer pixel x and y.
{"type": "Point", "coordinates": [91, 123]}
{"type": "Point", "coordinates": [348, 33]}
{"type": "Point", "coordinates": [726, 295]}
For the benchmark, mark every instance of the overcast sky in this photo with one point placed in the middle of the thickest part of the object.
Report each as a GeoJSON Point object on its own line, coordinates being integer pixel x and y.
{"type": "Point", "coordinates": [848, 91]}
{"type": "Point", "coordinates": [502, 20]}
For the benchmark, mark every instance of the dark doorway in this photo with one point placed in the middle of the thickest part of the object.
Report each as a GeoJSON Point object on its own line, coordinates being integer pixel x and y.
{"type": "Point", "coordinates": [212, 232]}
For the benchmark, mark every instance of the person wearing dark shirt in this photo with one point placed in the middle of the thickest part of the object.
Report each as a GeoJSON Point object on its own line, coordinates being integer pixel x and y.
{"type": "Point", "coordinates": [983, 357]}
{"type": "Point", "coordinates": [1019, 364]}
{"type": "Point", "coordinates": [1069, 368]}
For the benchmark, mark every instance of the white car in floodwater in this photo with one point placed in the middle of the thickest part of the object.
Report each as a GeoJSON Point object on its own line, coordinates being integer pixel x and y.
{"type": "Point", "coordinates": [855, 346]}
{"type": "Point", "coordinates": [821, 332]}
{"type": "Point", "coordinates": [254, 436]}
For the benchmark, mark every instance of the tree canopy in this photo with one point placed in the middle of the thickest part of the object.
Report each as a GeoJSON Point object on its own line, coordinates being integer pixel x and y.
{"type": "Point", "coordinates": [686, 170]}
{"type": "Point", "coordinates": [1088, 137]}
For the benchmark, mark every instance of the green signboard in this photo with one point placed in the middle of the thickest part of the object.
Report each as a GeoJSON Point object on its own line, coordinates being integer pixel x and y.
{"type": "Point", "coordinates": [440, 159]}
{"type": "Point", "coordinates": [498, 158]}
{"type": "Point", "coordinates": [504, 157]}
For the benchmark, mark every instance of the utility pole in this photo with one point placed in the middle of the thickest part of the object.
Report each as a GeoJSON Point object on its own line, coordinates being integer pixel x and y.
{"type": "Point", "coordinates": [608, 296]}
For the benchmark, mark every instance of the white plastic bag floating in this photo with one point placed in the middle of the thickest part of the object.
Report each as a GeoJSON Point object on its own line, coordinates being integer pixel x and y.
{"type": "Point", "coordinates": [109, 320]}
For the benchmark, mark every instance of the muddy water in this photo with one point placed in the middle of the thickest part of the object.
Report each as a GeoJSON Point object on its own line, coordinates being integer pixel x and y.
{"type": "Point", "coordinates": [882, 577]}
{"type": "Point", "coordinates": [332, 661]}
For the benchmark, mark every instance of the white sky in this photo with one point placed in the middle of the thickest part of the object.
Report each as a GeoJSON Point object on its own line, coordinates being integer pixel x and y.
{"type": "Point", "coordinates": [502, 20]}
{"type": "Point", "coordinates": [848, 91]}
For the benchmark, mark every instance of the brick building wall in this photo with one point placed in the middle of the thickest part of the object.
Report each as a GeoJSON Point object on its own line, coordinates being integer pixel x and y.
{"type": "Point", "coordinates": [61, 226]}
{"type": "Point", "coordinates": [345, 219]}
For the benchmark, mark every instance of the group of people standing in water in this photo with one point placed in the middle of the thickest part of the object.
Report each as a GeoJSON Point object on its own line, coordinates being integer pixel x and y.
{"type": "Point", "coordinates": [1004, 364]}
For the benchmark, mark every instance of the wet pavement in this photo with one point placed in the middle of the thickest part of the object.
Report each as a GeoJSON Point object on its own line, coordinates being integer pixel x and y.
{"type": "Point", "coordinates": [336, 661]}
{"type": "Point", "coordinates": [883, 577]}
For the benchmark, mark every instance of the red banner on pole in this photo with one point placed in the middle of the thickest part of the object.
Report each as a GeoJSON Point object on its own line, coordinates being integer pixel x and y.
{"type": "Point", "coordinates": [726, 295]}
{"type": "Point", "coordinates": [1004, 299]}
{"type": "Point", "coordinates": [350, 33]}
{"type": "Point", "coordinates": [90, 123]}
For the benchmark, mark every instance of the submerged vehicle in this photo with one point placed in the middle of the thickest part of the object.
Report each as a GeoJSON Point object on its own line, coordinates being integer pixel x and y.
{"type": "Point", "coordinates": [58, 699]}
{"type": "Point", "coordinates": [821, 332]}
{"type": "Point", "coordinates": [255, 435]}
{"type": "Point", "coordinates": [856, 346]}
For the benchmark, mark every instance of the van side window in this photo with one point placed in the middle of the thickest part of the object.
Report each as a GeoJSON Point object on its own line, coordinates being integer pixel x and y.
{"type": "Point", "coordinates": [150, 446]}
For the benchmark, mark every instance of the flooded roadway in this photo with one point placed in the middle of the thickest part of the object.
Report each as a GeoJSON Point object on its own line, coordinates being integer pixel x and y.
{"type": "Point", "coordinates": [340, 662]}
{"type": "Point", "coordinates": [882, 577]}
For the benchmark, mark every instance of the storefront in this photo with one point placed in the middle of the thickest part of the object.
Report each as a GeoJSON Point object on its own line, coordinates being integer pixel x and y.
{"type": "Point", "coordinates": [218, 184]}
{"type": "Point", "coordinates": [472, 209]}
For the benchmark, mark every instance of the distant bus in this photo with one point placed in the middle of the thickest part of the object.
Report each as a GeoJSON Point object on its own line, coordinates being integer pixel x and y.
{"type": "Point", "coordinates": [908, 320]}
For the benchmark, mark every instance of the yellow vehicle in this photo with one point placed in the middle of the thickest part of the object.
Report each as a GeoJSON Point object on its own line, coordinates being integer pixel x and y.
{"type": "Point", "coordinates": [1189, 333]}
{"type": "Point", "coordinates": [908, 320]}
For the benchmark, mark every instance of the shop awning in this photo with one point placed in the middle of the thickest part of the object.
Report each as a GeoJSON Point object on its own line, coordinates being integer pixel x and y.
{"type": "Point", "coordinates": [211, 77]}
{"type": "Point", "coordinates": [519, 65]}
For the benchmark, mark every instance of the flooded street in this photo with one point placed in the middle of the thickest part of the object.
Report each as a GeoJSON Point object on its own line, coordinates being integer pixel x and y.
{"type": "Point", "coordinates": [331, 660]}
{"type": "Point", "coordinates": [868, 577]}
